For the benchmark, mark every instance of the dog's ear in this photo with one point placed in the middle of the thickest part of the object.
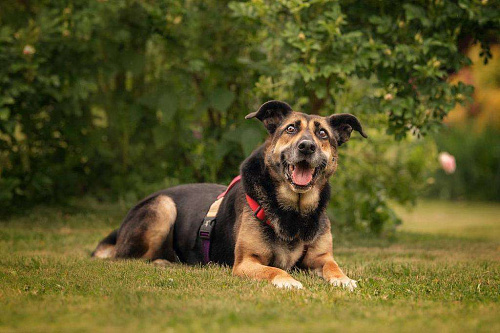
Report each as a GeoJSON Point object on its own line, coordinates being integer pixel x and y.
{"type": "Point", "coordinates": [271, 114]}
{"type": "Point", "coordinates": [343, 124]}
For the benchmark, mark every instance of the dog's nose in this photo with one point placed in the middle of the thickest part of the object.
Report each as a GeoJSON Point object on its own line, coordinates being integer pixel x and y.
{"type": "Point", "coordinates": [307, 147]}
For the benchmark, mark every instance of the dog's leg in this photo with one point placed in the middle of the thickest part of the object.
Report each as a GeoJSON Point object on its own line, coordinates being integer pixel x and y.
{"type": "Point", "coordinates": [253, 255]}
{"type": "Point", "coordinates": [252, 267]}
{"type": "Point", "coordinates": [149, 234]}
{"type": "Point", "coordinates": [319, 258]}
{"type": "Point", "coordinates": [106, 248]}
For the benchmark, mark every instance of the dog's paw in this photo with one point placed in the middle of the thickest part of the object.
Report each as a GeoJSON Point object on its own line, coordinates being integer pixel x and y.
{"type": "Point", "coordinates": [162, 263]}
{"type": "Point", "coordinates": [286, 283]}
{"type": "Point", "coordinates": [344, 282]}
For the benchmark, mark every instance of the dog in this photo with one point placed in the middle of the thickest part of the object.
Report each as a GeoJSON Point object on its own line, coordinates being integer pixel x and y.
{"type": "Point", "coordinates": [286, 178]}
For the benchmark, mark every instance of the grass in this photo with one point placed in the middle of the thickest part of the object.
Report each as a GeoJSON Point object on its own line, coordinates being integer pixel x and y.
{"type": "Point", "coordinates": [442, 273]}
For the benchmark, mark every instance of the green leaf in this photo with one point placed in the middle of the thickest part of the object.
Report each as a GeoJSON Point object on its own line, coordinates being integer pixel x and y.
{"type": "Point", "coordinates": [416, 12]}
{"type": "Point", "coordinates": [133, 61]}
{"type": "Point", "coordinates": [4, 114]}
{"type": "Point", "coordinates": [250, 138]}
{"type": "Point", "coordinates": [160, 136]}
{"type": "Point", "coordinates": [222, 150]}
{"type": "Point", "coordinates": [168, 103]}
{"type": "Point", "coordinates": [221, 98]}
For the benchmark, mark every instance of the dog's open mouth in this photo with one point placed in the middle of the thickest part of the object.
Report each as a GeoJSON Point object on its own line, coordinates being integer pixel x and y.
{"type": "Point", "coordinates": [301, 175]}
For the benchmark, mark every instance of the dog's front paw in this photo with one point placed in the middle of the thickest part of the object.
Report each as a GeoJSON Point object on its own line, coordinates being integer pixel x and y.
{"type": "Point", "coordinates": [344, 282]}
{"type": "Point", "coordinates": [286, 282]}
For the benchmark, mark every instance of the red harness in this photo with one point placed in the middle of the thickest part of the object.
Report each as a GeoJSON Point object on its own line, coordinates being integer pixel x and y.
{"type": "Point", "coordinates": [257, 210]}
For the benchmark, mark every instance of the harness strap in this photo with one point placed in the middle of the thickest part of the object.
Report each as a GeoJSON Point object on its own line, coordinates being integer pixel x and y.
{"type": "Point", "coordinates": [233, 182]}
{"type": "Point", "coordinates": [205, 232]}
{"type": "Point", "coordinates": [257, 210]}
{"type": "Point", "coordinates": [206, 228]}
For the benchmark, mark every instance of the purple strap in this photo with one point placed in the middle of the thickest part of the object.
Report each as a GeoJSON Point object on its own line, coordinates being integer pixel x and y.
{"type": "Point", "coordinates": [206, 250]}
{"type": "Point", "coordinates": [205, 234]}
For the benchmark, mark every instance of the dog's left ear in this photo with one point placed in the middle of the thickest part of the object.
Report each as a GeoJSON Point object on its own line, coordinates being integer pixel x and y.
{"type": "Point", "coordinates": [271, 114]}
{"type": "Point", "coordinates": [343, 124]}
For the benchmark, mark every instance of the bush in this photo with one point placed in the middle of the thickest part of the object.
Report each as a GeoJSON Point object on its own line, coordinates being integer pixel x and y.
{"type": "Point", "coordinates": [372, 173]}
{"type": "Point", "coordinates": [115, 96]}
{"type": "Point", "coordinates": [119, 97]}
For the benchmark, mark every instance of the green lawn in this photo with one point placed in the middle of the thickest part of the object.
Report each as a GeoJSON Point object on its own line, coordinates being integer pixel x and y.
{"type": "Point", "coordinates": [442, 273]}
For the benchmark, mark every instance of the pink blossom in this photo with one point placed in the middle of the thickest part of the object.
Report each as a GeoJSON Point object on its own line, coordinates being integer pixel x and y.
{"type": "Point", "coordinates": [447, 162]}
{"type": "Point", "coordinates": [388, 97]}
{"type": "Point", "coordinates": [29, 50]}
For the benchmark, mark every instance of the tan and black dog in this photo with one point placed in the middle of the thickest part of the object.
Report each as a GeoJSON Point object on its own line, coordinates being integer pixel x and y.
{"type": "Point", "coordinates": [287, 176]}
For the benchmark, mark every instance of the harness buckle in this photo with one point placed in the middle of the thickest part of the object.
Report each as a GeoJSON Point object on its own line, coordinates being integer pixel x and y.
{"type": "Point", "coordinates": [256, 213]}
{"type": "Point", "coordinates": [206, 227]}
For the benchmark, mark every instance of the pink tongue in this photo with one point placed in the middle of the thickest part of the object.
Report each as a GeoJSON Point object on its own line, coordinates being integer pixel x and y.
{"type": "Point", "coordinates": [302, 176]}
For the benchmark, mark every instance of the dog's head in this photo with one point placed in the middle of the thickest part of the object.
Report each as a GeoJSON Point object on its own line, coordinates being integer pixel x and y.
{"type": "Point", "coordinates": [302, 149]}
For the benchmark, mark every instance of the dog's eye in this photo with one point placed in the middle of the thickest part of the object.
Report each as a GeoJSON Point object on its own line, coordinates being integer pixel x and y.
{"type": "Point", "coordinates": [322, 134]}
{"type": "Point", "coordinates": [291, 129]}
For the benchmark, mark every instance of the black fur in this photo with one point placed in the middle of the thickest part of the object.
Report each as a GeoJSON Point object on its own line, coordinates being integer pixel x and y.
{"type": "Point", "coordinates": [343, 124]}
{"type": "Point", "coordinates": [271, 114]}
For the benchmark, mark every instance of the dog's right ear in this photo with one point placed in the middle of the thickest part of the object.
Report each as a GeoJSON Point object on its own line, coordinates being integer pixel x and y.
{"type": "Point", "coordinates": [271, 114]}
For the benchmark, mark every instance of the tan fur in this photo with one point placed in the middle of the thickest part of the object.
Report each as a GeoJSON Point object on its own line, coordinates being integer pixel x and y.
{"type": "Point", "coordinates": [309, 200]}
{"type": "Point", "coordinates": [105, 251]}
{"type": "Point", "coordinates": [304, 202]}
{"type": "Point", "coordinates": [286, 196]}
{"type": "Point", "coordinates": [160, 226]}
{"type": "Point", "coordinates": [286, 258]}
{"type": "Point", "coordinates": [162, 263]}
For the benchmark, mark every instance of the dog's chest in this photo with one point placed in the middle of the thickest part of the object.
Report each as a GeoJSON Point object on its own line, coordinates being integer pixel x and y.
{"type": "Point", "coordinates": [286, 257]}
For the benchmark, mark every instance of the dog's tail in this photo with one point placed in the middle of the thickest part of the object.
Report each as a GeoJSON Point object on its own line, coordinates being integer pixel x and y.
{"type": "Point", "coordinates": [106, 247]}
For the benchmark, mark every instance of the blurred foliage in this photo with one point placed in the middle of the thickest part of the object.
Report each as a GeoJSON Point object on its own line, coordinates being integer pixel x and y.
{"type": "Point", "coordinates": [484, 112]}
{"type": "Point", "coordinates": [473, 136]}
{"type": "Point", "coordinates": [477, 154]}
{"type": "Point", "coordinates": [120, 98]}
